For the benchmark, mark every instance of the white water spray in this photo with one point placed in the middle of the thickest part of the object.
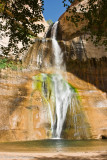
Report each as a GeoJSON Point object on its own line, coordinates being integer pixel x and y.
{"type": "Point", "coordinates": [63, 100]}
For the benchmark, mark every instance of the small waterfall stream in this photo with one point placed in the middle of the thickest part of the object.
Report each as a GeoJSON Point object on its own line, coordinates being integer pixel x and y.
{"type": "Point", "coordinates": [56, 48]}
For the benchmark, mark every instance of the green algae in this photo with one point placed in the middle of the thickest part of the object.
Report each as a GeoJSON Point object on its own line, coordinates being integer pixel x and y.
{"type": "Point", "coordinates": [45, 85]}
{"type": "Point", "coordinates": [76, 91]}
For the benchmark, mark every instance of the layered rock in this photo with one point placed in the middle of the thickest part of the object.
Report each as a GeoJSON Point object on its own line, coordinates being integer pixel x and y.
{"type": "Point", "coordinates": [22, 115]}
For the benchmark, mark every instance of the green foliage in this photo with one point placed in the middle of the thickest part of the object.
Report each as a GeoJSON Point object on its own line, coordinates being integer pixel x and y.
{"type": "Point", "coordinates": [20, 17]}
{"type": "Point", "coordinates": [5, 63]}
{"type": "Point", "coordinates": [94, 14]}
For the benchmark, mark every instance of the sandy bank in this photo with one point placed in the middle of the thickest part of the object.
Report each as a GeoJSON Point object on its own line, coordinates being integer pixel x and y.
{"type": "Point", "coordinates": [98, 155]}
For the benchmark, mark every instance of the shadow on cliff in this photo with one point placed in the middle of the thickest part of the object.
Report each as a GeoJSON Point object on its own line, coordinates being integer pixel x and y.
{"type": "Point", "coordinates": [92, 71]}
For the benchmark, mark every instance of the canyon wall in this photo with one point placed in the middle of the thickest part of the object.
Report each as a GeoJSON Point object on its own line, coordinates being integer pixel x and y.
{"type": "Point", "coordinates": [23, 113]}
{"type": "Point", "coordinates": [25, 116]}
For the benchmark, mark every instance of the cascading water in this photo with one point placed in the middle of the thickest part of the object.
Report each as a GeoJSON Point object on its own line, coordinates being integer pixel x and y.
{"type": "Point", "coordinates": [56, 48]}
{"type": "Point", "coordinates": [62, 91]}
{"type": "Point", "coordinates": [62, 102]}
{"type": "Point", "coordinates": [59, 96]}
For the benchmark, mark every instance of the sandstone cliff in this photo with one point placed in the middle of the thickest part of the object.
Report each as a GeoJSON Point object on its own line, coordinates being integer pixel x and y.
{"type": "Point", "coordinates": [23, 113]}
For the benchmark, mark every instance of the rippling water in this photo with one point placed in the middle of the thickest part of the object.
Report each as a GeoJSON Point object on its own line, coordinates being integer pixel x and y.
{"type": "Point", "coordinates": [55, 145]}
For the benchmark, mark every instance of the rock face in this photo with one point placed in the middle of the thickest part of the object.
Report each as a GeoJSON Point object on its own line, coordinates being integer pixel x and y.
{"type": "Point", "coordinates": [81, 57]}
{"type": "Point", "coordinates": [24, 116]}
{"type": "Point", "coordinates": [82, 52]}
{"type": "Point", "coordinates": [88, 63]}
{"type": "Point", "coordinates": [67, 29]}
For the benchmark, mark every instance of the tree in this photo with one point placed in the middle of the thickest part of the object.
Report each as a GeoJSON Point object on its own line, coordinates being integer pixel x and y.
{"type": "Point", "coordinates": [94, 14]}
{"type": "Point", "coordinates": [19, 21]}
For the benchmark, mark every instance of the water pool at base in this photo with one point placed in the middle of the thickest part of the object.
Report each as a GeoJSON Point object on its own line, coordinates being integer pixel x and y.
{"type": "Point", "coordinates": [54, 145]}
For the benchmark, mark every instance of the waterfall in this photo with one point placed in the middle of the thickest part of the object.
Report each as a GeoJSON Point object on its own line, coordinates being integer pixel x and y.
{"type": "Point", "coordinates": [62, 90]}
{"type": "Point", "coordinates": [62, 93]}
{"type": "Point", "coordinates": [59, 96]}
